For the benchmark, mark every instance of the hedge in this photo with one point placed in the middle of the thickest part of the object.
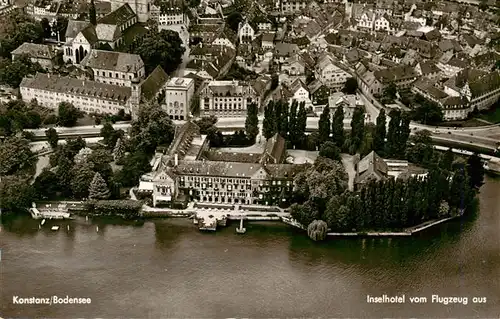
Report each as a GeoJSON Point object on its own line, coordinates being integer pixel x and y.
{"type": "Point", "coordinates": [127, 209]}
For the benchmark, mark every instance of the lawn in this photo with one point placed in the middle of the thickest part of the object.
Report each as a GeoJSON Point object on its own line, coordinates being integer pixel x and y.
{"type": "Point", "coordinates": [465, 123]}
{"type": "Point", "coordinates": [492, 115]}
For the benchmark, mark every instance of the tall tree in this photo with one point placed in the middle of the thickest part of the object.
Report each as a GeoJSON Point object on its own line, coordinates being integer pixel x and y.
{"type": "Point", "coordinates": [324, 125]}
{"type": "Point", "coordinates": [447, 160]}
{"type": "Point", "coordinates": [46, 28]}
{"type": "Point", "coordinates": [92, 13]}
{"type": "Point", "coordinates": [135, 165]}
{"type": "Point", "coordinates": [46, 184]}
{"type": "Point", "coordinates": [82, 177]}
{"type": "Point", "coordinates": [329, 150]}
{"type": "Point", "coordinates": [68, 114]}
{"type": "Point", "coordinates": [283, 122]}
{"type": "Point", "coordinates": [301, 122]}
{"type": "Point", "coordinates": [357, 129]}
{"type": "Point", "coordinates": [350, 86]}
{"type": "Point", "coordinates": [277, 116]}
{"type": "Point", "coordinates": [292, 124]}
{"type": "Point", "coordinates": [16, 156]}
{"type": "Point", "coordinates": [108, 134]}
{"type": "Point", "coordinates": [252, 122]}
{"type": "Point", "coordinates": [152, 129]}
{"type": "Point", "coordinates": [164, 48]}
{"type": "Point", "coordinates": [15, 193]}
{"type": "Point", "coordinates": [475, 170]}
{"type": "Point", "coordinates": [338, 127]}
{"type": "Point", "coordinates": [393, 133]}
{"type": "Point", "coordinates": [269, 121]}
{"type": "Point", "coordinates": [98, 188]}
{"type": "Point", "coordinates": [52, 137]}
{"type": "Point", "coordinates": [118, 151]}
{"type": "Point", "coordinates": [380, 132]}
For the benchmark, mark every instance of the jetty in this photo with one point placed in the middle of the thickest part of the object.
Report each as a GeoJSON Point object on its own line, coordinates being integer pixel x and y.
{"type": "Point", "coordinates": [61, 212]}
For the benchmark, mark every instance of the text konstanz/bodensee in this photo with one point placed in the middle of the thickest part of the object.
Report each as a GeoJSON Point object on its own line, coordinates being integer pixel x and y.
{"type": "Point", "coordinates": [54, 300]}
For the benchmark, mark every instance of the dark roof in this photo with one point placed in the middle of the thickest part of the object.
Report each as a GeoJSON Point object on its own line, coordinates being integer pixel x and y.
{"type": "Point", "coordinates": [471, 40]}
{"type": "Point", "coordinates": [74, 86]}
{"type": "Point", "coordinates": [115, 61]}
{"type": "Point", "coordinates": [182, 138]}
{"type": "Point", "coordinates": [486, 60]}
{"type": "Point", "coordinates": [34, 50]}
{"type": "Point", "coordinates": [119, 16]}
{"type": "Point", "coordinates": [153, 83]}
{"type": "Point", "coordinates": [90, 34]}
{"type": "Point", "coordinates": [235, 169]}
{"type": "Point", "coordinates": [395, 74]}
{"type": "Point", "coordinates": [285, 49]}
{"type": "Point", "coordinates": [74, 27]}
{"type": "Point", "coordinates": [485, 84]}
{"type": "Point", "coordinates": [274, 150]}
{"type": "Point", "coordinates": [371, 166]}
{"type": "Point", "coordinates": [428, 87]}
{"type": "Point", "coordinates": [429, 67]}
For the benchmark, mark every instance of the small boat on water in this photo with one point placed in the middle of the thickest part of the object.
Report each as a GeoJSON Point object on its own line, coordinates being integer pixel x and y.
{"type": "Point", "coordinates": [55, 228]}
{"type": "Point", "coordinates": [241, 229]}
{"type": "Point", "coordinates": [43, 222]}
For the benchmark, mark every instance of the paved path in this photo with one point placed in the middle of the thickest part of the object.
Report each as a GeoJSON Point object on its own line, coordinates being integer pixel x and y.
{"type": "Point", "coordinates": [348, 161]}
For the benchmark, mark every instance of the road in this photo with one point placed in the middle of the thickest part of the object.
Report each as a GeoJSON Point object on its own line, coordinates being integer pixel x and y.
{"type": "Point", "coordinates": [467, 136]}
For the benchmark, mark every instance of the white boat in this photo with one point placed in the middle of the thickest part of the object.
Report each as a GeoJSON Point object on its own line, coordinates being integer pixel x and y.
{"type": "Point", "coordinates": [55, 228]}
{"type": "Point", "coordinates": [43, 222]}
{"type": "Point", "coordinates": [241, 229]}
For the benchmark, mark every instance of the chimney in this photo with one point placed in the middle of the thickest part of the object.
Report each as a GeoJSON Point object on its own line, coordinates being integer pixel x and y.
{"type": "Point", "coordinates": [176, 160]}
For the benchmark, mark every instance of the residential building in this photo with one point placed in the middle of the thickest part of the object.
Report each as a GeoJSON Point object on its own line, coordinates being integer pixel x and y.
{"type": "Point", "coordinates": [292, 6]}
{"type": "Point", "coordinates": [374, 167]}
{"type": "Point", "coordinates": [318, 92]}
{"type": "Point", "coordinates": [267, 41]}
{"type": "Point", "coordinates": [401, 76]}
{"type": "Point", "coordinates": [428, 69]}
{"type": "Point", "coordinates": [366, 21]}
{"type": "Point", "coordinates": [330, 73]}
{"type": "Point", "coordinates": [38, 53]}
{"type": "Point", "coordinates": [283, 51]}
{"type": "Point", "coordinates": [299, 92]}
{"type": "Point", "coordinates": [246, 33]}
{"type": "Point", "coordinates": [172, 13]}
{"type": "Point", "coordinates": [226, 98]}
{"type": "Point", "coordinates": [178, 95]}
{"type": "Point", "coordinates": [294, 65]}
{"type": "Point", "coordinates": [348, 102]}
{"type": "Point", "coordinates": [116, 68]}
{"type": "Point", "coordinates": [87, 96]}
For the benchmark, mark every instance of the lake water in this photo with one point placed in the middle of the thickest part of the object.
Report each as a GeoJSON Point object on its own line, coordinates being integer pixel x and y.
{"type": "Point", "coordinates": [167, 268]}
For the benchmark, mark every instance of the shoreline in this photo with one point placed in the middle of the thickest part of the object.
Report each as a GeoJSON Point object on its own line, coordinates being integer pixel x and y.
{"type": "Point", "coordinates": [158, 213]}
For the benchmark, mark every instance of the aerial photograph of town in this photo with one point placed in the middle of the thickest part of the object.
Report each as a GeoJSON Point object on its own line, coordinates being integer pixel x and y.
{"type": "Point", "coordinates": [249, 159]}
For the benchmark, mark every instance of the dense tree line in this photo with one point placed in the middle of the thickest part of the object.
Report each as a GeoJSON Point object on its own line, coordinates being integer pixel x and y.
{"type": "Point", "coordinates": [289, 121]}
{"type": "Point", "coordinates": [448, 190]}
{"type": "Point", "coordinates": [382, 205]}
